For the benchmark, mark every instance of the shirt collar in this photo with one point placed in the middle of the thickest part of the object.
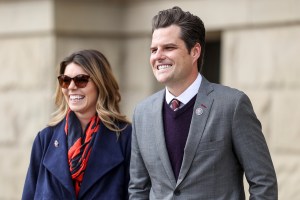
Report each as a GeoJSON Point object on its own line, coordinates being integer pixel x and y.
{"type": "Point", "coordinates": [188, 94]}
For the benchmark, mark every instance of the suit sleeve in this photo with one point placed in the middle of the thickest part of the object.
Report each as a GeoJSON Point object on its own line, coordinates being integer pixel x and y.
{"type": "Point", "coordinates": [252, 151]}
{"type": "Point", "coordinates": [140, 184]}
{"type": "Point", "coordinates": [33, 170]}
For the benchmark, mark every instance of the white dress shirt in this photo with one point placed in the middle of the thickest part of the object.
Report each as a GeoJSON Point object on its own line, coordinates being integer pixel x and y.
{"type": "Point", "coordinates": [188, 94]}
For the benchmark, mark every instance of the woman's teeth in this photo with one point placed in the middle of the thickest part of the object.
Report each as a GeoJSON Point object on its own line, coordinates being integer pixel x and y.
{"type": "Point", "coordinates": [76, 97]}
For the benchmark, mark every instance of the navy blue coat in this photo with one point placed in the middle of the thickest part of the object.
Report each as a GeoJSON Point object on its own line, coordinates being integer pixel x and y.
{"type": "Point", "coordinates": [106, 175]}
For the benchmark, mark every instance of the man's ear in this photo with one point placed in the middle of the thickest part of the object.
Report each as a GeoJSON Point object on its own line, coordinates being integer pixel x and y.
{"type": "Point", "coordinates": [196, 51]}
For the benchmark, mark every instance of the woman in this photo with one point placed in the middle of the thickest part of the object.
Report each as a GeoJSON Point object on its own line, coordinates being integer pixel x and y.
{"type": "Point", "coordinates": [84, 153]}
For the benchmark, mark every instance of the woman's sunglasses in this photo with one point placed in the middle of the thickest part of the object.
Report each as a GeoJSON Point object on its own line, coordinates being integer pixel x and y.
{"type": "Point", "coordinates": [80, 80]}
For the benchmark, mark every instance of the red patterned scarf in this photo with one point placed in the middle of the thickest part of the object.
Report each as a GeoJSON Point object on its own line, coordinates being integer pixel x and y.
{"type": "Point", "coordinates": [79, 145]}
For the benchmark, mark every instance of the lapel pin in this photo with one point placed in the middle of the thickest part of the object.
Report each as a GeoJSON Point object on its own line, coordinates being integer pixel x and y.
{"type": "Point", "coordinates": [56, 143]}
{"type": "Point", "coordinates": [199, 111]}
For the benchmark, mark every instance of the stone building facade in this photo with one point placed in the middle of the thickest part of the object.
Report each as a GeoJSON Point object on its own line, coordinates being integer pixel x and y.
{"type": "Point", "coordinates": [259, 45]}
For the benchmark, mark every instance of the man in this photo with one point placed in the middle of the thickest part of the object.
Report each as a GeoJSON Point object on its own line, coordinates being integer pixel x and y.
{"type": "Point", "coordinates": [202, 149]}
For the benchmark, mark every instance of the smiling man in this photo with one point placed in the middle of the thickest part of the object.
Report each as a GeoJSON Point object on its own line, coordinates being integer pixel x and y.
{"type": "Point", "coordinates": [194, 139]}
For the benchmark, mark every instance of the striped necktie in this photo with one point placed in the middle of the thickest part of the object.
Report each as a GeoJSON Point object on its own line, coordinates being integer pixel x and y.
{"type": "Point", "coordinates": [175, 103]}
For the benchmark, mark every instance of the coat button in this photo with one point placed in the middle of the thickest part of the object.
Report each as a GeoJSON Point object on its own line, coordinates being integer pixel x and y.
{"type": "Point", "coordinates": [177, 192]}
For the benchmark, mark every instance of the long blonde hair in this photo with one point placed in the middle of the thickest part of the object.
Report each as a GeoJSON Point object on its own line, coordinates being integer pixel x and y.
{"type": "Point", "coordinates": [99, 69]}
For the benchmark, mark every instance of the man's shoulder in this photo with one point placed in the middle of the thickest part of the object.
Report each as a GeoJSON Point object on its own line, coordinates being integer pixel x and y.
{"type": "Point", "coordinates": [226, 89]}
{"type": "Point", "coordinates": [150, 100]}
{"type": "Point", "coordinates": [152, 97]}
{"type": "Point", "coordinates": [228, 96]}
{"type": "Point", "coordinates": [223, 90]}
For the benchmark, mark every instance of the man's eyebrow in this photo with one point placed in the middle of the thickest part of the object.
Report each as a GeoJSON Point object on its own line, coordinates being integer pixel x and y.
{"type": "Point", "coordinates": [165, 45]}
{"type": "Point", "coordinates": [170, 44]}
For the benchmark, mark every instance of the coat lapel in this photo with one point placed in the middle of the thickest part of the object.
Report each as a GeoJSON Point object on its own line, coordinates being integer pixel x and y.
{"type": "Point", "coordinates": [104, 157]}
{"type": "Point", "coordinates": [100, 162]}
{"type": "Point", "coordinates": [56, 160]}
{"type": "Point", "coordinates": [201, 111]}
{"type": "Point", "coordinates": [158, 130]}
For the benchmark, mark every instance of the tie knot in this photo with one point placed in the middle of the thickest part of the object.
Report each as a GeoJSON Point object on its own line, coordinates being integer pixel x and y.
{"type": "Point", "coordinates": [175, 103]}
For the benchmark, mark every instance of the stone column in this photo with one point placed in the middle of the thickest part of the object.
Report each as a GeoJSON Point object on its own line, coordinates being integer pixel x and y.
{"type": "Point", "coordinates": [27, 54]}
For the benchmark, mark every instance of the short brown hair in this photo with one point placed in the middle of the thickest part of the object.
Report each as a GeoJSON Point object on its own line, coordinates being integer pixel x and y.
{"type": "Point", "coordinates": [192, 28]}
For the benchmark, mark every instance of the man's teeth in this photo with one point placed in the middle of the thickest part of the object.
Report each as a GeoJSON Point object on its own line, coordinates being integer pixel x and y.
{"type": "Point", "coordinates": [76, 97]}
{"type": "Point", "coordinates": [163, 67]}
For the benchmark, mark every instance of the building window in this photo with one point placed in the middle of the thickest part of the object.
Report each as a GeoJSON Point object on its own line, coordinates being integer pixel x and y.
{"type": "Point", "coordinates": [211, 66]}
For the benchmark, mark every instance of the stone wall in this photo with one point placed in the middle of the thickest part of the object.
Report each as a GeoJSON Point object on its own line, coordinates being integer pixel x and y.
{"type": "Point", "coordinates": [263, 62]}
{"type": "Point", "coordinates": [260, 44]}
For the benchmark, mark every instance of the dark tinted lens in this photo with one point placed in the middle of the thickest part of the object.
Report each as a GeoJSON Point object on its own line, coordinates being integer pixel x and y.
{"type": "Point", "coordinates": [81, 80]}
{"type": "Point", "coordinates": [64, 81]}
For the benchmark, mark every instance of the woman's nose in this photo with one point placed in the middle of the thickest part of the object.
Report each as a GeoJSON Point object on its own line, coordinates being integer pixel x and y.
{"type": "Point", "coordinates": [72, 85]}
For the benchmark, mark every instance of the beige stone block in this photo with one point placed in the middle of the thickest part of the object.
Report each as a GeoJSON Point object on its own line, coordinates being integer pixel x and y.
{"type": "Point", "coordinates": [112, 48]}
{"type": "Point", "coordinates": [26, 63]}
{"type": "Point", "coordinates": [273, 11]}
{"type": "Point", "coordinates": [217, 15]}
{"type": "Point", "coordinates": [93, 17]}
{"type": "Point", "coordinates": [261, 58]}
{"type": "Point", "coordinates": [287, 166]}
{"type": "Point", "coordinates": [285, 121]}
{"type": "Point", "coordinates": [138, 74]}
{"type": "Point", "coordinates": [24, 113]}
{"type": "Point", "coordinates": [26, 16]}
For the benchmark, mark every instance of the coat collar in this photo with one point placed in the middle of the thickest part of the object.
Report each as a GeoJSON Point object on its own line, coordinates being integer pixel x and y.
{"type": "Point", "coordinates": [104, 156]}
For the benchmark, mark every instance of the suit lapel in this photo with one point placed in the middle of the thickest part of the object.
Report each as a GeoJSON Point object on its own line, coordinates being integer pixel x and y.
{"type": "Point", "coordinates": [158, 130]}
{"type": "Point", "coordinates": [201, 111]}
{"type": "Point", "coordinates": [56, 160]}
{"type": "Point", "coordinates": [105, 155]}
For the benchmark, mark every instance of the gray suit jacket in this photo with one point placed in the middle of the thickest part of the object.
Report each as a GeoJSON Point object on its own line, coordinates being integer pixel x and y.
{"type": "Point", "coordinates": [225, 142]}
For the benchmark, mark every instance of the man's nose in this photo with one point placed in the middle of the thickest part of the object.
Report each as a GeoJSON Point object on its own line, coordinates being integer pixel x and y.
{"type": "Point", "coordinates": [160, 55]}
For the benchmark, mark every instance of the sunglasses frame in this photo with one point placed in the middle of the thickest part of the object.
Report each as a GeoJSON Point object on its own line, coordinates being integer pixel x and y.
{"type": "Point", "coordinates": [80, 80]}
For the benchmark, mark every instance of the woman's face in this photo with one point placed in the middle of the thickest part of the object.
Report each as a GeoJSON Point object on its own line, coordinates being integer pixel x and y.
{"type": "Point", "coordinates": [82, 101]}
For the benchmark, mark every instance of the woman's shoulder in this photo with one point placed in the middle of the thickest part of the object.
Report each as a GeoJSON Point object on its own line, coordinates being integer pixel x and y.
{"type": "Point", "coordinates": [47, 132]}
{"type": "Point", "coordinates": [126, 126]}
{"type": "Point", "coordinates": [121, 128]}
{"type": "Point", "coordinates": [126, 129]}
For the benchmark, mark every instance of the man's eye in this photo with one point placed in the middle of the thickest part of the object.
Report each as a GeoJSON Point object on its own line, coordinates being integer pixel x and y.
{"type": "Point", "coordinates": [153, 50]}
{"type": "Point", "coordinates": [170, 48]}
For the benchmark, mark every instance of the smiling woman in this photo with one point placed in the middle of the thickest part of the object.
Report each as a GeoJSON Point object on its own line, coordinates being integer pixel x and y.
{"type": "Point", "coordinates": [84, 153]}
{"type": "Point", "coordinates": [81, 100]}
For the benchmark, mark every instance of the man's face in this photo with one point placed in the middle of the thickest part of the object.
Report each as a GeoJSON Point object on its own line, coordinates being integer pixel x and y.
{"type": "Point", "coordinates": [171, 63]}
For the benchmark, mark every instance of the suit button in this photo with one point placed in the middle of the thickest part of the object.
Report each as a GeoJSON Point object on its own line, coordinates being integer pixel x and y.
{"type": "Point", "coordinates": [177, 192]}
